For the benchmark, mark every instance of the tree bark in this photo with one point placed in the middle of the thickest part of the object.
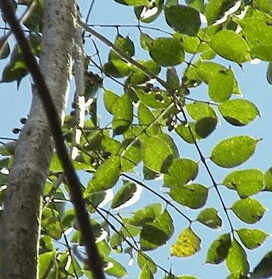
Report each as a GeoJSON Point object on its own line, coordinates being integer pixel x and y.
{"type": "Point", "coordinates": [21, 215]}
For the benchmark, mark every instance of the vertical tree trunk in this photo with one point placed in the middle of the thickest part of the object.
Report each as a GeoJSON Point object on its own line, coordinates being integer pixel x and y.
{"type": "Point", "coordinates": [21, 216]}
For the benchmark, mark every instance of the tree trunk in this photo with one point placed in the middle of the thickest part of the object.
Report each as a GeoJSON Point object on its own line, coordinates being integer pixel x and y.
{"type": "Point", "coordinates": [21, 216]}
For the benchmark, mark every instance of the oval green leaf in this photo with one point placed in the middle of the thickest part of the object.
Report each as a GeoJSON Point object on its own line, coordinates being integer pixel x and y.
{"type": "Point", "coordinates": [167, 52]}
{"type": "Point", "coordinates": [252, 238]}
{"type": "Point", "coordinates": [209, 217]}
{"type": "Point", "coordinates": [187, 244]}
{"type": "Point", "coordinates": [183, 19]}
{"type": "Point", "coordinates": [193, 195]}
{"type": "Point", "coordinates": [180, 172]}
{"type": "Point", "coordinates": [231, 46]}
{"type": "Point", "coordinates": [248, 210]}
{"type": "Point", "coordinates": [237, 259]}
{"type": "Point", "coordinates": [156, 153]}
{"type": "Point", "coordinates": [233, 151]}
{"type": "Point", "coordinates": [221, 85]}
{"type": "Point", "coordinates": [245, 182]}
{"type": "Point", "coordinates": [268, 180]}
{"type": "Point", "coordinates": [238, 112]}
{"type": "Point", "coordinates": [219, 249]}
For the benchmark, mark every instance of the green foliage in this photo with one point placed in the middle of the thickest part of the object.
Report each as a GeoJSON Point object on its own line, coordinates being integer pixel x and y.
{"type": "Point", "coordinates": [152, 124]}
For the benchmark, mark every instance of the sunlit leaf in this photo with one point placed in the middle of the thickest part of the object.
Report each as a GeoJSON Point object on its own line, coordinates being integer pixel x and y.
{"type": "Point", "coordinates": [180, 172]}
{"type": "Point", "coordinates": [248, 210]}
{"type": "Point", "coordinates": [166, 52]}
{"type": "Point", "coordinates": [231, 46]}
{"type": "Point", "coordinates": [209, 217]}
{"type": "Point", "coordinates": [156, 233]}
{"type": "Point", "coordinates": [268, 180]}
{"type": "Point", "coordinates": [105, 176]}
{"type": "Point", "coordinates": [198, 110]}
{"type": "Point", "coordinates": [145, 40]}
{"type": "Point", "coordinates": [133, 2]}
{"type": "Point", "coordinates": [219, 249]}
{"type": "Point", "coordinates": [143, 259]}
{"type": "Point", "coordinates": [48, 265]}
{"type": "Point", "coordinates": [122, 114]}
{"type": "Point", "coordinates": [150, 12]}
{"type": "Point", "coordinates": [206, 70]}
{"type": "Point", "coordinates": [221, 85]}
{"type": "Point", "coordinates": [131, 154]}
{"type": "Point", "coordinates": [186, 245]}
{"type": "Point", "coordinates": [191, 195]}
{"type": "Point", "coordinates": [233, 151]}
{"type": "Point", "coordinates": [147, 119]}
{"type": "Point", "coordinates": [237, 259]}
{"type": "Point", "coordinates": [245, 182]}
{"type": "Point", "coordinates": [183, 19]}
{"type": "Point", "coordinates": [238, 112]}
{"type": "Point", "coordinates": [252, 238]}
{"type": "Point", "coordinates": [50, 223]}
{"type": "Point", "coordinates": [146, 273]}
{"type": "Point", "coordinates": [187, 132]}
{"type": "Point", "coordinates": [125, 45]}
{"type": "Point", "coordinates": [115, 268]}
{"type": "Point", "coordinates": [157, 154]}
{"type": "Point", "coordinates": [109, 100]}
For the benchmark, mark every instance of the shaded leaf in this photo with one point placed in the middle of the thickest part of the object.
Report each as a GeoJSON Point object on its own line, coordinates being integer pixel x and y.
{"type": "Point", "coordinates": [105, 176]}
{"type": "Point", "coordinates": [156, 233]}
{"type": "Point", "coordinates": [238, 112]}
{"type": "Point", "coordinates": [219, 249]}
{"type": "Point", "coordinates": [150, 12]}
{"type": "Point", "coordinates": [180, 172]}
{"type": "Point", "coordinates": [191, 195]}
{"type": "Point", "coordinates": [248, 210]}
{"type": "Point", "coordinates": [50, 223]}
{"type": "Point", "coordinates": [209, 217]}
{"type": "Point", "coordinates": [157, 154]}
{"type": "Point", "coordinates": [231, 46]}
{"type": "Point", "coordinates": [145, 40]}
{"type": "Point", "coordinates": [237, 259]}
{"type": "Point", "coordinates": [125, 45]}
{"type": "Point", "coordinates": [110, 99]}
{"type": "Point", "coordinates": [264, 267]}
{"type": "Point", "coordinates": [183, 19]}
{"type": "Point", "coordinates": [233, 151]}
{"type": "Point", "coordinates": [269, 73]}
{"type": "Point", "coordinates": [245, 182]}
{"type": "Point", "coordinates": [252, 238]}
{"type": "Point", "coordinates": [167, 52]}
{"type": "Point", "coordinates": [205, 126]}
{"type": "Point", "coordinates": [124, 194]}
{"type": "Point", "coordinates": [186, 245]}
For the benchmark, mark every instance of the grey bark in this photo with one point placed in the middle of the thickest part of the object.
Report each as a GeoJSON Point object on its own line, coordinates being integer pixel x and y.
{"type": "Point", "coordinates": [21, 216]}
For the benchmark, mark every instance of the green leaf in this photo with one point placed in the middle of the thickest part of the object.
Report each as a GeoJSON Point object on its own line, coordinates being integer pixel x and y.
{"type": "Point", "coordinates": [245, 182]}
{"type": "Point", "coordinates": [258, 34]}
{"type": "Point", "coordinates": [143, 259]}
{"type": "Point", "coordinates": [269, 73]}
{"type": "Point", "coordinates": [4, 46]}
{"type": "Point", "coordinates": [198, 110]}
{"type": "Point", "coordinates": [146, 118]}
{"type": "Point", "coordinates": [122, 114]}
{"type": "Point", "coordinates": [131, 154]}
{"type": "Point", "coordinates": [145, 40]}
{"type": "Point", "coordinates": [183, 19]}
{"type": "Point", "coordinates": [157, 154]}
{"type": "Point", "coordinates": [238, 112]}
{"type": "Point", "coordinates": [221, 85]}
{"type": "Point", "coordinates": [117, 68]}
{"type": "Point", "coordinates": [206, 70]}
{"type": "Point", "coordinates": [145, 215]}
{"type": "Point", "coordinates": [248, 210]}
{"type": "Point", "coordinates": [110, 99]}
{"type": "Point", "coordinates": [48, 265]}
{"type": "Point", "coordinates": [124, 194]}
{"type": "Point", "coordinates": [156, 233]}
{"type": "Point", "coordinates": [231, 46]}
{"type": "Point", "coordinates": [209, 217]}
{"type": "Point", "coordinates": [50, 223]}
{"type": "Point", "coordinates": [187, 132]}
{"type": "Point", "coordinates": [166, 52]}
{"type": "Point", "coordinates": [133, 2]}
{"type": "Point", "coordinates": [125, 45]}
{"type": "Point", "coordinates": [237, 259]}
{"type": "Point", "coordinates": [187, 244]}
{"type": "Point", "coordinates": [150, 12]}
{"type": "Point", "coordinates": [268, 180]}
{"type": "Point", "coordinates": [105, 176]}
{"type": "Point", "coordinates": [146, 273]}
{"type": "Point", "coordinates": [115, 268]}
{"type": "Point", "coordinates": [172, 79]}
{"type": "Point", "coordinates": [219, 249]}
{"type": "Point", "coordinates": [252, 238]}
{"type": "Point", "coordinates": [233, 151]}
{"type": "Point", "coordinates": [197, 4]}
{"type": "Point", "coordinates": [192, 195]}
{"type": "Point", "coordinates": [215, 9]}
{"type": "Point", "coordinates": [205, 126]}
{"type": "Point", "coordinates": [138, 77]}
{"type": "Point", "coordinates": [180, 172]}
{"type": "Point", "coordinates": [264, 268]}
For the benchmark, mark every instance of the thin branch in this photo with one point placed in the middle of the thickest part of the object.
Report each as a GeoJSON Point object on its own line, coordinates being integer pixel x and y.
{"type": "Point", "coordinates": [94, 259]}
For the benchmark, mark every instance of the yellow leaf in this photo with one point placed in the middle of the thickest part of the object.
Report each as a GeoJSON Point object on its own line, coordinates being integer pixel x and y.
{"type": "Point", "coordinates": [187, 244]}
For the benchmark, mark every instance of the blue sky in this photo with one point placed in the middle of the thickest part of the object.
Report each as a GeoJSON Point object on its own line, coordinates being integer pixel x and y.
{"type": "Point", "coordinates": [15, 104]}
